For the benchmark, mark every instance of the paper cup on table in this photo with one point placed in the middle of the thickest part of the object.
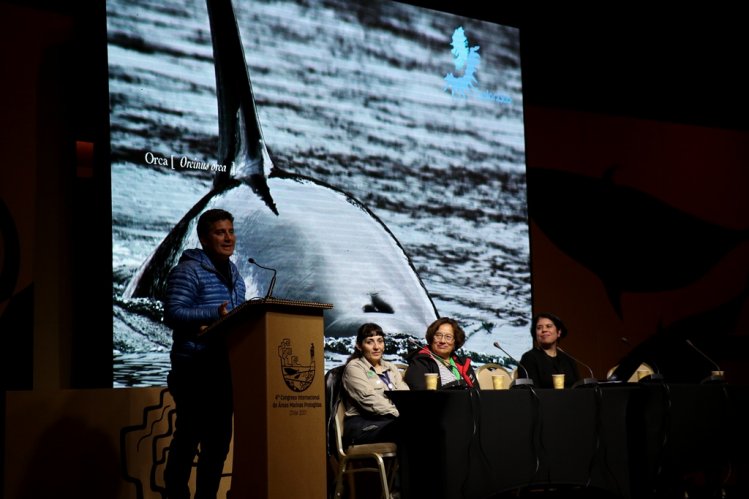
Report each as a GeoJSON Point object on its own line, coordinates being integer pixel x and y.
{"type": "Point", "coordinates": [641, 373]}
{"type": "Point", "coordinates": [431, 380]}
{"type": "Point", "coordinates": [558, 381]}
{"type": "Point", "coordinates": [718, 374]}
{"type": "Point", "coordinates": [499, 382]}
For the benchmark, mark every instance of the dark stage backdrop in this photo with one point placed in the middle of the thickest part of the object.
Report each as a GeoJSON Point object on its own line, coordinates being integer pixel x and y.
{"type": "Point", "coordinates": [640, 237]}
{"type": "Point", "coordinates": [400, 133]}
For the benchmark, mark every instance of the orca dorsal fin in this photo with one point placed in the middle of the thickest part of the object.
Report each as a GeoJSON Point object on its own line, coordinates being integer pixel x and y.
{"type": "Point", "coordinates": [241, 145]}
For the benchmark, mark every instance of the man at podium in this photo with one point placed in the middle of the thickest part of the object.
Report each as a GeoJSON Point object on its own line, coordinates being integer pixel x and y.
{"type": "Point", "coordinates": [204, 286]}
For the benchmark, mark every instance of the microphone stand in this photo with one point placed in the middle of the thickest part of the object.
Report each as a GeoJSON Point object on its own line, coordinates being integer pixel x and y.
{"type": "Point", "coordinates": [656, 377]}
{"type": "Point", "coordinates": [521, 382]}
{"type": "Point", "coordinates": [517, 382]}
{"type": "Point", "coordinates": [592, 381]}
{"type": "Point", "coordinates": [272, 280]}
{"type": "Point", "coordinates": [272, 285]}
{"type": "Point", "coordinates": [717, 376]}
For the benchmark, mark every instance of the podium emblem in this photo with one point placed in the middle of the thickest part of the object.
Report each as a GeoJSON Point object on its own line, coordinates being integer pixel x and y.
{"type": "Point", "coordinates": [297, 376]}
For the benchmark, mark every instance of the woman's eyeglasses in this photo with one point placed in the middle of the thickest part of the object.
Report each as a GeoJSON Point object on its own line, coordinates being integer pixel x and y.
{"type": "Point", "coordinates": [446, 337]}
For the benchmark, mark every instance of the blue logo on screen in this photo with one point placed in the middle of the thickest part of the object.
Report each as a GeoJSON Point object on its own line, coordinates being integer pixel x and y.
{"type": "Point", "coordinates": [467, 61]}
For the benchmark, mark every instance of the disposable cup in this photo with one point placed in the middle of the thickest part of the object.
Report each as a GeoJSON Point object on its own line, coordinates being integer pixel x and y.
{"type": "Point", "coordinates": [431, 380]}
{"type": "Point", "coordinates": [499, 382]}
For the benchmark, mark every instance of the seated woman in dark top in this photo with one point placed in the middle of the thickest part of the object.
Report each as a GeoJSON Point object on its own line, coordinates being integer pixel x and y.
{"type": "Point", "coordinates": [545, 359]}
{"type": "Point", "coordinates": [444, 336]}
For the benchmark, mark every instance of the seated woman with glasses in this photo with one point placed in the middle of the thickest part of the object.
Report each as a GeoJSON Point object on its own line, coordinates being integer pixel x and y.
{"type": "Point", "coordinates": [444, 336]}
{"type": "Point", "coordinates": [367, 378]}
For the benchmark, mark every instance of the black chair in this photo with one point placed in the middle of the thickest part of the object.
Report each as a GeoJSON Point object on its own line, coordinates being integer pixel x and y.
{"type": "Point", "coordinates": [340, 459]}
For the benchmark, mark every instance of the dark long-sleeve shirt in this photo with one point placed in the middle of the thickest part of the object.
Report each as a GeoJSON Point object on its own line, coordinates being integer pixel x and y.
{"type": "Point", "coordinates": [541, 366]}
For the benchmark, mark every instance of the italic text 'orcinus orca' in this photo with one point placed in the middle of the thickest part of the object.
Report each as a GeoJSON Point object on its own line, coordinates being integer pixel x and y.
{"type": "Point", "coordinates": [326, 246]}
{"type": "Point", "coordinates": [632, 241]}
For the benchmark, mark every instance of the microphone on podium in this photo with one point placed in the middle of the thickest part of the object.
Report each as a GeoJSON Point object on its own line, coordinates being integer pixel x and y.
{"type": "Point", "coordinates": [526, 381]}
{"type": "Point", "coordinates": [585, 381]}
{"type": "Point", "coordinates": [272, 280]}
{"type": "Point", "coordinates": [717, 375]}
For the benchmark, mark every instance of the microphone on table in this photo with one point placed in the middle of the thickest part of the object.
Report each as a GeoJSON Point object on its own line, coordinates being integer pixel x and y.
{"type": "Point", "coordinates": [648, 363]}
{"type": "Point", "coordinates": [272, 280]}
{"type": "Point", "coordinates": [585, 381]}
{"type": "Point", "coordinates": [526, 381]}
{"type": "Point", "coordinates": [656, 376]}
{"type": "Point", "coordinates": [717, 375]}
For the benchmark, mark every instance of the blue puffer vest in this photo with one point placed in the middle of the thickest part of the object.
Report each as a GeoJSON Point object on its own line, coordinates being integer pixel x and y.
{"type": "Point", "coordinates": [195, 290]}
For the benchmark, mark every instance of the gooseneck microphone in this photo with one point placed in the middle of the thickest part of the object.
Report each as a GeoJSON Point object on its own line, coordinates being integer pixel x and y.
{"type": "Point", "coordinates": [648, 363]}
{"type": "Point", "coordinates": [717, 374]}
{"type": "Point", "coordinates": [526, 381]}
{"type": "Point", "coordinates": [584, 381]}
{"type": "Point", "coordinates": [656, 376]}
{"type": "Point", "coordinates": [272, 280]}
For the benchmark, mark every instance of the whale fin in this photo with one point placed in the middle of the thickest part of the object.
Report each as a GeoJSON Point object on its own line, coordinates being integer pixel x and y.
{"type": "Point", "coordinates": [241, 142]}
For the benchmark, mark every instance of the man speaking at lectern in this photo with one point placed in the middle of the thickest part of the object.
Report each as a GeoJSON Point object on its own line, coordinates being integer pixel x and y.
{"type": "Point", "coordinates": [201, 288]}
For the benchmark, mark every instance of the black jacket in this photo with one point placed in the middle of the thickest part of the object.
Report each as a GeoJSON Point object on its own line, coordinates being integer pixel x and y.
{"type": "Point", "coordinates": [421, 362]}
{"type": "Point", "coordinates": [541, 366]}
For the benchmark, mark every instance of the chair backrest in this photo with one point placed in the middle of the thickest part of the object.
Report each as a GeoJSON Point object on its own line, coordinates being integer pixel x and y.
{"type": "Point", "coordinates": [333, 391]}
{"type": "Point", "coordinates": [402, 368]}
{"type": "Point", "coordinates": [485, 373]}
{"type": "Point", "coordinates": [339, 416]}
{"type": "Point", "coordinates": [643, 368]}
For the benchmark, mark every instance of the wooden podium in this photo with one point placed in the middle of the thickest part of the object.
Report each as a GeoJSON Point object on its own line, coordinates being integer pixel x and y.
{"type": "Point", "coordinates": [278, 369]}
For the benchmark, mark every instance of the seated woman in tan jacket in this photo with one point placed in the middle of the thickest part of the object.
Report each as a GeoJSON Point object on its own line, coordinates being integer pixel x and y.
{"type": "Point", "coordinates": [367, 378]}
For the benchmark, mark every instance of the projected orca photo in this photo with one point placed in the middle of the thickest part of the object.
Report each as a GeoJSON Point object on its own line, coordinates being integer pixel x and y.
{"type": "Point", "coordinates": [351, 169]}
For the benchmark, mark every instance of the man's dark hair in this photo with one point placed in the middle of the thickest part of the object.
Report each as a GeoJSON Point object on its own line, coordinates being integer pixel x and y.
{"type": "Point", "coordinates": [208, 218]}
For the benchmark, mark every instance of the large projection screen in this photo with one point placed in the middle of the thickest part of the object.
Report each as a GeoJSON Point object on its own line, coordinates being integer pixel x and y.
{"type": "Point", "coordinates": [398, 168]}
